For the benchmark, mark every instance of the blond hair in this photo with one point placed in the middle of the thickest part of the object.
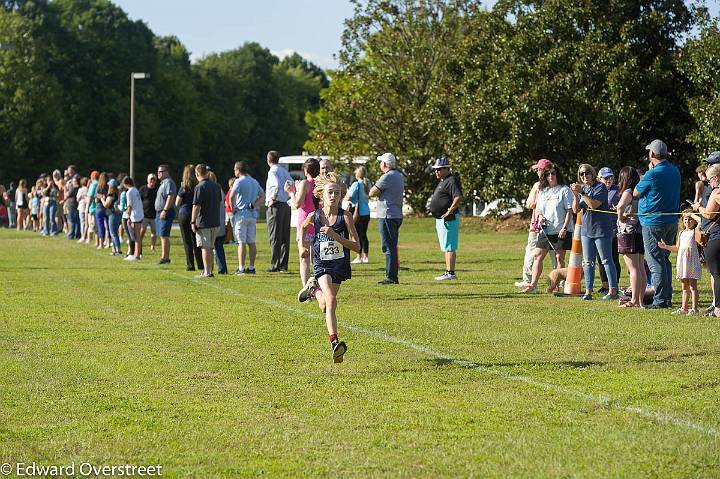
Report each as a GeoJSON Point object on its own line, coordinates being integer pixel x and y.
{"type": "Point", "coordinates": [590, 168]}
{"type": "Point", "coordinates": [713, 170]}
{"type": "Point", "coordinates": [328, 179]}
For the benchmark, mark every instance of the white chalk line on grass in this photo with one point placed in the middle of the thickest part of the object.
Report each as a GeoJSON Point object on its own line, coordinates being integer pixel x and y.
{"type": "Point", "coordinates": [600, 400]}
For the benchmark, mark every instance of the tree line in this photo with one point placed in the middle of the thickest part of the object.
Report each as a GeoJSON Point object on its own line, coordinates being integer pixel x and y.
{"type": "Point", "coordinates": [589, 81]}
{"type": "Point", "coordinates": [65, 94]}
{"type": "Point", "coordinates": [493, 89]}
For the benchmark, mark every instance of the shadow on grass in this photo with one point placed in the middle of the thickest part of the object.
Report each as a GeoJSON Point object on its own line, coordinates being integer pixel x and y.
{"type": "Point", "coordinates": [455, 295]}
{"type": "Point", "coordinates": [441, 362]}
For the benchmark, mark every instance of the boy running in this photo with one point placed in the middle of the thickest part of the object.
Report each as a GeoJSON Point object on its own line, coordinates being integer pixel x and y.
{"type": "Point", "coordinates": [334, 237]}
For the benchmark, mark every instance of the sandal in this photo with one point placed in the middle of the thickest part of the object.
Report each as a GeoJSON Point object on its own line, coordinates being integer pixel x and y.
{"type": "Point", "coordinates": [628, 304]}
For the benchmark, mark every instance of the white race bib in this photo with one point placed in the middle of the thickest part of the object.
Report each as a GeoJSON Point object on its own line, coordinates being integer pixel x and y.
{"type": "Point", "coordinates": [330, 250]}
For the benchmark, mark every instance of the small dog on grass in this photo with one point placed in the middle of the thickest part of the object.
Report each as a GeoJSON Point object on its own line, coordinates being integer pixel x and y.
{"type": "Point", "coordinates": [556, 279]}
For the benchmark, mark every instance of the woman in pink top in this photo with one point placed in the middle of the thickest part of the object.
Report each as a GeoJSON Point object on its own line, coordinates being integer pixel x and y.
{"type": "Point", "coordinates": [301, 198]}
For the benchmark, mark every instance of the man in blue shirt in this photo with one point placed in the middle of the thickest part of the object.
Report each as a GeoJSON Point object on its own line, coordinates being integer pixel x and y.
{"type": "Point", "coordinates": [659, 192]}
{"type": "Point", "coordinates": [245, 195]}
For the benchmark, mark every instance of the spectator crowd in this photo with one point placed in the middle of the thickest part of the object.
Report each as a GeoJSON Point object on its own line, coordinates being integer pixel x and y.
{"type": "Point", "coordinates": [633, 217]}
{"type": "Point", "coordinates": [636, 219]}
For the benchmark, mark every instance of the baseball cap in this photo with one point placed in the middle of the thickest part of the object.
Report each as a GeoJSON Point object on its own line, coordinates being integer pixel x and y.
{"type": "Point", "coordinates": [441, 162]}
{"type": "Point", "coordinates": [113, 182]}
{"type": "Point", "coordinates": [544, 163]}
{"type": "Point", "coordinates": [388, 159]}
{"type": "Point", "coordinates": [605, 172]}
{"type": "Point", "coordinates": [713, 158]}
{"type": "Point", "coordinates": [659, 148]}
{"type": "Point", "coordinates": [151, 176]}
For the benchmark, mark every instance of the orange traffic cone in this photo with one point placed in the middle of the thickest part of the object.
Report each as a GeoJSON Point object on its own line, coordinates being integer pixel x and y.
{"type": "Point", "coordinates": [574, 274]}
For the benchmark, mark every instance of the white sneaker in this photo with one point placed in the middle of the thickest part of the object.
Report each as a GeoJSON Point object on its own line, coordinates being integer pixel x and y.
{"type": "Point", "coordinates": [445, 277]}
{"type": "Point", "coordinates": [130, 258]}
{"type": "Point", "coordinates": [365, 260]}
{"type": "Point", "coordinates": [522, 284]}
{"type": "Point", "coordinates": [357, 261]}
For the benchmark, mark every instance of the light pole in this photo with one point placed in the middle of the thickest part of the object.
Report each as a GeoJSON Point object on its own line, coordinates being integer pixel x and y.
{"type": "Point", "coordinates": [133, 77]}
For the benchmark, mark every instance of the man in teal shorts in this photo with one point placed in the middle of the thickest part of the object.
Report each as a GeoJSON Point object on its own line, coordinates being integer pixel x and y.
{"type": "Point", "coordinates": [444, 206]}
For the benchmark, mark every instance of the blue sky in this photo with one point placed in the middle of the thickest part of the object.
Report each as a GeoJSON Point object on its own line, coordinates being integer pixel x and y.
{"type": "Point", "coordinates": [309, 27]}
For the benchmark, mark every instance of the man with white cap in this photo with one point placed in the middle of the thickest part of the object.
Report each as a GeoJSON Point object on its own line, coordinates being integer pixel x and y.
{"type": "Point", "coordinates": [659, 192]}
{"type": "Point", "coordinates": [389, 190]}
{"type": "Point", "coordinates": [445, 207]}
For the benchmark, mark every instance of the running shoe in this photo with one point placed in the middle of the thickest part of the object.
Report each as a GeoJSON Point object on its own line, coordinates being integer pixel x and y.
{"type": "Point", "coordinates": [357, 261]}
{"type": "Point", "coordinates": [240, 271]}
{"type": "Point", "coordinates": [306, 293]}
{"type": "Point", "coordinates": [338, 348]}
{"type": "Point", "coordinates": [130, 258]}
{"type": "Point", "coordinates": [522, 284]}
{"type": "Point", "coordinates": [693, 312]}
{"type": "Point", "coordinates": [586, 297]}
{"type": "Point", "coordinates": [611, 297]}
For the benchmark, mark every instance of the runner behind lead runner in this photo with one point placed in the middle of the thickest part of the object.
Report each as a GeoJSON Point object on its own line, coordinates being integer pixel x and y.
{"type": "Point", "coordinates": [334, 237]}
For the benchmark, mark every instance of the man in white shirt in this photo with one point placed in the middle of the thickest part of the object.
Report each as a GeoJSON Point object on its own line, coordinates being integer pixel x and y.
{"type": "Point", "coordinates": [278, 213]}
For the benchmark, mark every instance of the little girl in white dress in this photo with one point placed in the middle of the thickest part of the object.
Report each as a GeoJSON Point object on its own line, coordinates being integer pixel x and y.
{"type": "Point", "coordinates": [688, 263]}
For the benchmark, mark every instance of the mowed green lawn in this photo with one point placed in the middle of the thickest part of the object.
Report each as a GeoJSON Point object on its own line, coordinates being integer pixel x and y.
{"type": "Point", "coordinates": [108, 362]}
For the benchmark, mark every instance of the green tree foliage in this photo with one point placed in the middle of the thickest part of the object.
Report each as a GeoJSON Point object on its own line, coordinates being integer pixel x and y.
{"type": "Point", "coordinates": [391, 94]}
{"type": "Point", "coordinates": [699, 61]}
{"type": "Point", "coordinates": [65, 94]}
{"type": "Point", "coordinates": [572, 81]}
{"type": "Point", "coordinates": [569, 81]}
{"type": "Point", "coordinates": [31, 116]}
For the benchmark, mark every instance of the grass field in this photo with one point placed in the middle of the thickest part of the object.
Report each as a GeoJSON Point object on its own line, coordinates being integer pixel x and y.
{"type": "Point", "coordinates": [109, 363]}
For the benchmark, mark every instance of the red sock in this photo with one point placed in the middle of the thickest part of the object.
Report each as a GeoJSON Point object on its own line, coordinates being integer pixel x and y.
{"type": "Point", "coordinates": [333, 337]}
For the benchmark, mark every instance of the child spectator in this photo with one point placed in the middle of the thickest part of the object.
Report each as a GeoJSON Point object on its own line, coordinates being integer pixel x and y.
{"type": "Point", "coordinates": [688, 262]}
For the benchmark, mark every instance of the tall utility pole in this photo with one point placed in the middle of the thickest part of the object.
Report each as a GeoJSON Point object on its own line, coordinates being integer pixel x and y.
{"type": "Point", "coordinates": [133, 77]}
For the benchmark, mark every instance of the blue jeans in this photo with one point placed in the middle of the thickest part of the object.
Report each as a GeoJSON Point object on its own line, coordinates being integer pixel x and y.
{"type": "Point", "coordinates": [100, 222]}
{"type": "Point", "coordinates": [74, 220]}
{"type": "Point", "coordinates": [220, 255]}
{"type": "Point", "coordinates": [114, 225]}
{"type": "Point", "coordinates": [389, 228]}
{"type": "Point", "coordinates": [50, 211]}
{"type": "Point", "coordinates": [659, 260]}
{"type": "Point", "coordinates": [591, 248]}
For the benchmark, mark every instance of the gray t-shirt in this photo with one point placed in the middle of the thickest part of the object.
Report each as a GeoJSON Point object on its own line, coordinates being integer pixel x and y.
{"type": "Point", "coordinates": [167, 188]}
{"type": "Point", "coordinates": [70, 194]}
{"type": "Point", "coordinates": [392, 189]}
{"type": "Point", "coordinates": [208, 197]}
